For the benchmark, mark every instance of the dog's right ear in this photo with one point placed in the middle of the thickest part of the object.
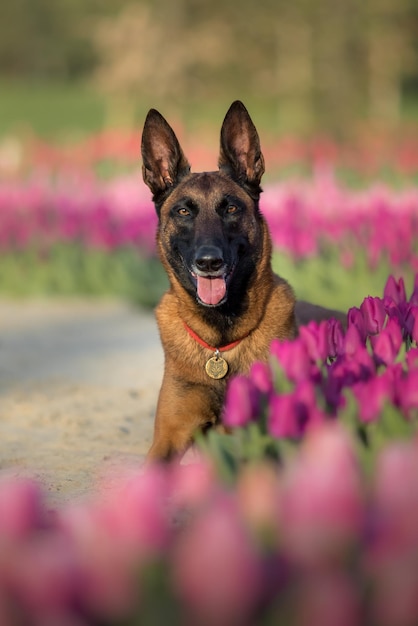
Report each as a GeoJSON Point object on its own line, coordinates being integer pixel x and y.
{"type": "Point", "coordinates": [164, 163]}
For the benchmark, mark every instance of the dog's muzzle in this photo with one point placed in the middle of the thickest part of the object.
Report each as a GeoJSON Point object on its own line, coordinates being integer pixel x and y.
{"type": "Point", "coordinates": [211, 275]}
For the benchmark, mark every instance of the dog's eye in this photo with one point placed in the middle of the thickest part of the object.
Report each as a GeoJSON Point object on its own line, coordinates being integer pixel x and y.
{"type": "Point", "coordinates": [183, 212]}
{"type": "Point", "coordinates": [232, 209]}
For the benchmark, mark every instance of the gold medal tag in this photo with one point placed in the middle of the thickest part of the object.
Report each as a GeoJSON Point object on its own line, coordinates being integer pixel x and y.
{"type": "Point", "coordinates": [216, 367]}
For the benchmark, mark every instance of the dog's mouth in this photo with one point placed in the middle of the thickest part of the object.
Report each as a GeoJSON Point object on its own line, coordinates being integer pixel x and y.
{"type": "Point", "coordinates": [212, 289]}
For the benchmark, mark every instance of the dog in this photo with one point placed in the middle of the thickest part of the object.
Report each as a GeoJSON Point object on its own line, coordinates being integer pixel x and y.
{"type": "Point", "coordinates": [225, 304]}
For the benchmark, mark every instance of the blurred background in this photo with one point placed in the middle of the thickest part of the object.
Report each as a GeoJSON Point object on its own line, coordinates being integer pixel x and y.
{"type": "Point", "coordinates": [70, 67]}
{"type": "Point", "coordinates": [331, 85]}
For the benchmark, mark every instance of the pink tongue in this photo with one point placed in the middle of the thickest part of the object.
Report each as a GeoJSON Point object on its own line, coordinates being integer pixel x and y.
{"type": "Point", "coordinates": [211, 290]}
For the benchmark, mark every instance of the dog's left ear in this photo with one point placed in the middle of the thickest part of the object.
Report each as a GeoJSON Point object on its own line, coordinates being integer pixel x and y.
{"type": "Point", "coordinates": [240, 155]}
{"type": "Point", "coordinates": [164, 163]}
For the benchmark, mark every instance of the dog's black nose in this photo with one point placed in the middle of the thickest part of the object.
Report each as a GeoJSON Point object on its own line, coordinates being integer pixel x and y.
{"type": "Point", "coordinates": [209, 259]}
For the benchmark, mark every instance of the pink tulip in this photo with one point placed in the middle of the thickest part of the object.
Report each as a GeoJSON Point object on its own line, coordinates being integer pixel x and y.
{"type": "Point", "coordinates": [44, 578]}
{"type": "Point", "coordinates": [21, 508]}
{"type": "Point", "coordinates": [394, 600]}
{"type": "Point", "coordinates": [396, 496]}
{"type": "Point", "coordinates": [393, 551]}
{"type": "Point", "coordinates": [194, 484]}
{"type": "Point", "coordinates": [215, 568]}
{"type": "Point", "coordinates": [259, 499]}
{"type": "Point", "coordinates": [326, 598]}
{"type": "Point", "coordinates": [104, 561]}
{"type": "Point", "coordinates": [322, 499]}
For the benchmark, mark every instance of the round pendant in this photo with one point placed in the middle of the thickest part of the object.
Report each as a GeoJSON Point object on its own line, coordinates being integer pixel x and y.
{"type": "Point", "coordinates": [216, 367]}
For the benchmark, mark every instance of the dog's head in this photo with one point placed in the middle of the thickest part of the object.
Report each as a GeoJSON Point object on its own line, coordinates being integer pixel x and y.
{"type": "Point", "coordinates": [210, 228]}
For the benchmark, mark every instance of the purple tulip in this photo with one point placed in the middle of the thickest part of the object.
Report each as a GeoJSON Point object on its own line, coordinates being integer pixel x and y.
{"type": "Point", "coordinates": [374, 314]}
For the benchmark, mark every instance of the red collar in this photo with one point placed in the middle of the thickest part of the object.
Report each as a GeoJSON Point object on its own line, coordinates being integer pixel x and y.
{"type": "Point", "coordinates": [225, 348]}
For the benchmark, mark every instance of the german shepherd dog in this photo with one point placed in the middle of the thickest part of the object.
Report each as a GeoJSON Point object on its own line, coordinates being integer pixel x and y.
{"type": "Point", "coordinates": [224, 305]}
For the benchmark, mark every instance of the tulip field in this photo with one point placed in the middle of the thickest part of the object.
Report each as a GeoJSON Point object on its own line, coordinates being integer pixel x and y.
{"type": "Point", "coordinates": [307, 513]}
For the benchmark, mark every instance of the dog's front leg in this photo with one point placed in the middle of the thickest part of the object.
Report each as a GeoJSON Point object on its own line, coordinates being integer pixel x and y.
{"type": "Point", "coordinates": [183, 408]}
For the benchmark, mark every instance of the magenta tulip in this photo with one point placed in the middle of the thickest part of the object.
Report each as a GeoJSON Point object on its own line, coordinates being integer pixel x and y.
{"type": "Point", "coordinates": [414, 296]}
{"type": "Point", "coordinates": [411, 322]}
{"type": "Point", "coordinates": [395, 290]}
{"type": "Point", "coordinates": [412, 358]}
{"type": "Point", "coordinates": [374, 314]}
{"type": "Point", "coordinates": [290, 415]}
{"type": "Point", "coordinates": [284, 416]}
{"type": "Point", "coordinates": [261, 377]}
{"type": "Point", "coordinates": [408, 393]}
{"type": "Point", "coordinates": [335, 338]}
{"type": "Point", "coordinates": [315, 338]}
{"type": "Point", "coordinates": [294, 359]}
{"type": "Point", "coordinates": [387, 344]}
{"type": "Point", "coordinates": [241, 402]}
{"type": "Point", "coordinates": [371, 396]}
{"type": "Point", "coordinates": [353, 341]}
{"type": "Point", "coordinates": [356, 319]}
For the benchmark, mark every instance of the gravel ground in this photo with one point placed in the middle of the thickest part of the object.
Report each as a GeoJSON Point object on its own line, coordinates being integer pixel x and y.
{"type": "Point", "coordinates": [79, 382]}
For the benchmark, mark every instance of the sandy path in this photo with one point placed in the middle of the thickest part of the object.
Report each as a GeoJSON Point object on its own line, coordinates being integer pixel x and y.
{"type": "Point", "coordinates": [78, 388]}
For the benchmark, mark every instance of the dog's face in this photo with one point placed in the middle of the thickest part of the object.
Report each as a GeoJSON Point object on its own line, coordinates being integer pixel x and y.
{"type": "Point", "coordinates": [210, 228]}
